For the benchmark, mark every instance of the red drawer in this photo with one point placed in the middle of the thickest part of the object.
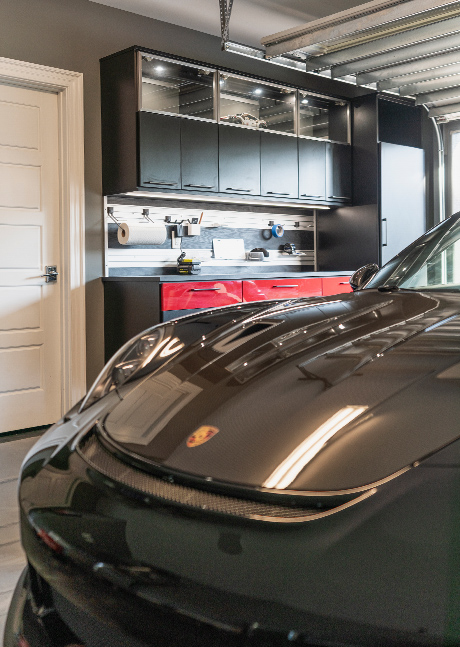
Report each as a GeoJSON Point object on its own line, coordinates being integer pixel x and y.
{"type": "Point", "coordinates": [261, 290]}
{"type": "Point", "coordinates": [336, 285]}
{"type": "Point", "coordinates": [202, 294]}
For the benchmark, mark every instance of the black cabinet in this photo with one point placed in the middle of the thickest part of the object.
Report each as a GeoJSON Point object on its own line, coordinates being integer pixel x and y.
{"type": "Point", "coordinates": [338, 172]}
{"type": "Point", "coordinates": [160, 134]}
{"type": "Point", "coordinates": [239, 160]}
{"type": "Point", "coordinates": [130, 306]}
{"type": "Point", "coordinates": [312, 169]}
{"type": "Point", "coordinates": [199, 155]}
{"type": "Point", "coordinates": [278, 166]}
{"type": "Point", "coordinates": [159, 151]}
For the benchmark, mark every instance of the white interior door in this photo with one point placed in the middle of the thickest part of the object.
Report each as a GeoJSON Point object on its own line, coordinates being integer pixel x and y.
{"type": "Point", "coordinates": [30, 308]}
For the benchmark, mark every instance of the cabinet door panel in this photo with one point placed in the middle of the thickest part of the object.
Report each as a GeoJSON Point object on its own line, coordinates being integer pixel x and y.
{"type": "Point", "coordinates": [312, 169]}
{"type": "Point", "coordinates": [200, 294]}
{"type": "Point", "coordinates": [336, 285]}
{"type": "Point", "coordinates": [159, 151]}
{"type": "Point", "coordinates": [199, 155]}
{"type": "Point", "coordinates": [278, 166]}
{"type": "Point", "coordinates": [338, 172]}
{"type": "Point", "coordinates": [261, 290]}
{"type": "Point", "coordinates": [239, 160]}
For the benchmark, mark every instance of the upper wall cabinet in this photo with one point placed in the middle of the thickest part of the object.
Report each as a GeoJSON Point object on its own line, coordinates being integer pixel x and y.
{"type": "Point", "coordinates": [239, 161]}
{"type": "Point", "coordinates": [250, 102]}
{"type": "Point", "coordinates": [176, 88]}
{"type": "Point", "coordinates": [199, 148]}
{"type": "Point", "coordinates": [173, 125]}
{"type": "Point", "coordinates": [159, 151]}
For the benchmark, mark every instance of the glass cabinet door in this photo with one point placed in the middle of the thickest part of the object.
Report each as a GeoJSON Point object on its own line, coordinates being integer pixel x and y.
{"type": "Point", "coordinates": [323, 118]}
{"type": "Point", "coordinates": [176, 88]}
{"type": "Point", "coordinates": [313, 116]}
{"type": "Point", "coordinates": [249, 102]}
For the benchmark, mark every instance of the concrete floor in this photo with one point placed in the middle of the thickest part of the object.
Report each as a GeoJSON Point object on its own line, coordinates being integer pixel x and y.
{"type": "Point", "coordinates": [12, 560]}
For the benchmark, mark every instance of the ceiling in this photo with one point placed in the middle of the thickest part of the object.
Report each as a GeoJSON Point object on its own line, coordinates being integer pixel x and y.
{"type": "Point", "coordinates": [410, 48]}
{"type": "Point", "coordinates": [251, 20]}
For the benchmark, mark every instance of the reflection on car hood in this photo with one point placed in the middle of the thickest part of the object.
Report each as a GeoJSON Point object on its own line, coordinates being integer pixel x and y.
{"type": "Point", "coordinates": [308, 395]}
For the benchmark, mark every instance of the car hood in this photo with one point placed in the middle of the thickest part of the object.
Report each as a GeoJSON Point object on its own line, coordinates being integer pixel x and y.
{"type": "Point", "coordinates": [311, 395]}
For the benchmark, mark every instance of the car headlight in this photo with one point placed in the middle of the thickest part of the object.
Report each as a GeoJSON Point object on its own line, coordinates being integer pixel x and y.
{"type": "Point", "coordinates": [136, 354]}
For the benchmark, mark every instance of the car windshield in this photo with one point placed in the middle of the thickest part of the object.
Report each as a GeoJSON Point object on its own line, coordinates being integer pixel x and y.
{"type": "Point", "coordinates": [432, 262]}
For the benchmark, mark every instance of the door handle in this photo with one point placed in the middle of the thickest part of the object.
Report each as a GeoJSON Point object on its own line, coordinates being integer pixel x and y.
{"type": "Point", "coordinates": [231, 188]}
{"type": "Point", "coordinates": [51, 273]}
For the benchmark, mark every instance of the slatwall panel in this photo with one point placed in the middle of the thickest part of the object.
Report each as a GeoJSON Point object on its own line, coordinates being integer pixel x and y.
{"type": "Point", "coordinates": [253, 226]}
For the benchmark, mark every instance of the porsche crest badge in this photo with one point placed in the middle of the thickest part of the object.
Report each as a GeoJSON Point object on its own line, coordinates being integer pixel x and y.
{"type": "Point", "coordinates": [201, 435]}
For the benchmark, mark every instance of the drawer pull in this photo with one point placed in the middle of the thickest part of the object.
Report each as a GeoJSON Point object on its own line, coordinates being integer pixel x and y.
{"type": "Point", "coordinates": [204, 289]}
{"type": "Point", "coordinates": [200, 186]}
{"type": "Point", "coordinates": [285, 286]}
{"type": "Point", "coordinates": [161, 183]}
{"type": "Point", "coordinates": [344, 282]}
{"type": "Point", "coordinates": [230, 188]}
{"type": "Point", "coordinates": [309, 195]}
{"type": "Point", "coordinates": [276, 193]}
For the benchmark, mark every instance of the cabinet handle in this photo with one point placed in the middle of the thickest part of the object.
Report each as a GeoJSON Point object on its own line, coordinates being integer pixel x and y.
{"type": "Point", "coordinates": [200, 186]}
{"type": "Point", "coordinates": [308, 195]}
{"type": "Point", "coordinates": [384, 230]}
{"type": "Point", "coordinates": [230, 188]}
{"type": "Point", "coordinates": [162, 183]}
{"type": "Point", "coordinates": [285, 286]}
{"type": "Point", "coordinates": [204, 289]}
{"type": "Point", "coordinates": [276, 193]}
{"type": "Point", "coordinates": [338, 197]}
{"type": "Point", "coordinates": [344, 282]}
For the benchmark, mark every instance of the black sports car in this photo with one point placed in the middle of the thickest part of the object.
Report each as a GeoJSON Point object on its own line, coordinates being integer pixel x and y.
{"type": "Point", "coordinates": [267, 474]}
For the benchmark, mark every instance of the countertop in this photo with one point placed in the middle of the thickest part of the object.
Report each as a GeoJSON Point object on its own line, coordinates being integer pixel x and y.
{"type": "Point", "coordinates": [179, 278]}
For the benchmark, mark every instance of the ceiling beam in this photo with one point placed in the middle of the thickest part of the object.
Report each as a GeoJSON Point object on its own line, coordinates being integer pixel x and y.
{"type": "Point", "coordinates": [417, 77]}
{"type": "Point", "coordinates": [437, 65]}
{"type": "Point", "coordinates": [444, 110]}
{"type": "Point", "coordinates": [429, 86]}
{"type": "Point", "coordinates": [440, 95]}
{"type": "Point", "coordinates": [430, 39]}
{"type": "Point", "coordinates": [312, 35]}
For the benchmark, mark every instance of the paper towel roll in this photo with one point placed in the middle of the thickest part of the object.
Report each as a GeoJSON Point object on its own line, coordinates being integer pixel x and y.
{"type": "Point", "coordinates": [141, 234]}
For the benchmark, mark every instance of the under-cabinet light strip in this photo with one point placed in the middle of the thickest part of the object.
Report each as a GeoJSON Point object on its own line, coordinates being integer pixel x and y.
{"type": "Point", "coordinates": [229, 200]}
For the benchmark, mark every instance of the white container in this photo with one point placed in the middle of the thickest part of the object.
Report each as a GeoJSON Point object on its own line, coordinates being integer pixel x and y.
{"type": "Point", "coordinates": [193, 229]}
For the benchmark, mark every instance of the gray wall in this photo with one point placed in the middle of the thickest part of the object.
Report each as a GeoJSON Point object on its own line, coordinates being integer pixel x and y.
{"type": "Point", "coordinates": [74, 35]}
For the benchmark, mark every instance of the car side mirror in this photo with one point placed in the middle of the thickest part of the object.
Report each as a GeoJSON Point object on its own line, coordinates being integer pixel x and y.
{"type": "Point", "coordinates": [362, 276]}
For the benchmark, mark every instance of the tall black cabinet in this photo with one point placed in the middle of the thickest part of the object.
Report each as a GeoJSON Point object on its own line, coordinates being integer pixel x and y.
{"type": "Point", "coordinates": [349, 237]}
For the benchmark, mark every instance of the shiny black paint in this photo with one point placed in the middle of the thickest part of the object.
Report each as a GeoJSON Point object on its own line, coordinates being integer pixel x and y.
{"type": "Point", "coordinates": [172, 571]}
{"type": "Point", "coordinates": [110, 563]}
{"type": "Point", "coordinates": [369, 349]}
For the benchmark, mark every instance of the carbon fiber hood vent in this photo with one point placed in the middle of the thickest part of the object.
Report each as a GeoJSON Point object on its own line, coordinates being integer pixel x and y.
{"type": "Point", "coordinates": [152, 487]}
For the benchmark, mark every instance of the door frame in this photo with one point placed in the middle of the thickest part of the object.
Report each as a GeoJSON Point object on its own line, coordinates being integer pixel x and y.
{"type": "Point", "coordinates": [69, 89]}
